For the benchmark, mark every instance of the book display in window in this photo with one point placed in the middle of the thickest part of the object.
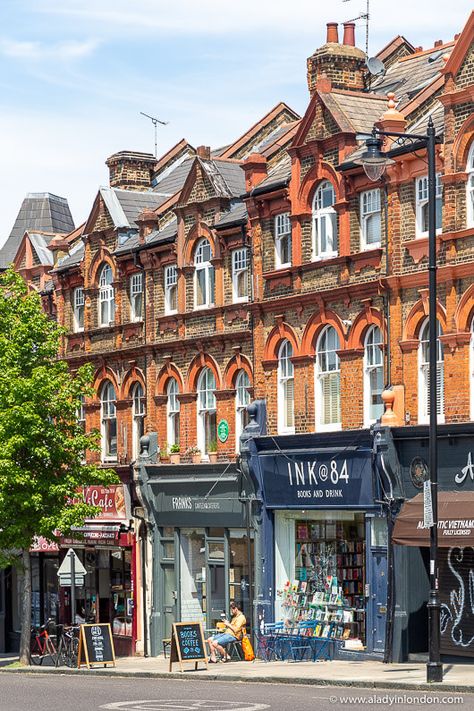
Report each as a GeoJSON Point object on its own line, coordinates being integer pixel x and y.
{"type": "Point", "coordinates": [329, 584]}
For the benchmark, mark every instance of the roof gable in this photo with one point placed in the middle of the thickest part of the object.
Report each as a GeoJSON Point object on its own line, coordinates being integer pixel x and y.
{"type": "Point", "coordinates": [462, 52]}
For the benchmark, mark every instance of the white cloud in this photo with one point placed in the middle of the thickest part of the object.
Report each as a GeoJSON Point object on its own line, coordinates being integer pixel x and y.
{"type": "Point", "coordinates": [37, 51]}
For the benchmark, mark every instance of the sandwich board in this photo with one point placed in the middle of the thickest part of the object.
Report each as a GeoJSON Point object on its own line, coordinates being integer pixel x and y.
{"type": "Point", "coordinates": [187, 644]}
{"type": "Point", "coordinates": [96, 646]}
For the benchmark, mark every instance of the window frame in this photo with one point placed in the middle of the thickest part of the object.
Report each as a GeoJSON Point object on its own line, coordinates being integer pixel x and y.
{"type": "Point", "coordinates": [282, 235]}
{"type": "Point", "coordinates": [78, 308]}
{"type": "Point", "coordinates": [285, 374]}
{"type": "Point", "coordinates": [470, 187]}
{"type": "Point", "coordinates": [369, 368]}
{"type": "Point", "coordinates": [421, 202]}
{"type": "Point", "coordinates": [106, 296]}
{"type": "Point", "coordinates": [242, 400]}
{"type": "Point", "coordinates": [423, 374]}
{"type": "Point", "coordinates": [108, 420]}
{"type": "Point", "coordinates": [330, 216]}
{"type": "Point", "coordinates": [237, 271]}
{"type": "Point", "coordinates": [206, 409]}
{"type": "Point", "coordinates": [173, 413]}
{"type": "Point", "coordinates": [170, 282]}
{"type": "Point", "coordinates": [136, 311]}
{"type": "Point", "coordinates": [209, 275]}
{"type": "Point", "coordinates": [138, 418]}
{"type": "Point", "coordinates": [327, 374]}
{"type": "Point", "coordinates": [366, 214]}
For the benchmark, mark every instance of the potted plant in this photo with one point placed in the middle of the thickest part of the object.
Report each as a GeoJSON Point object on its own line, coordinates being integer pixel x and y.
{"type": "Point", "coordinates": [195, 454]}
{"type": "Point", "coordinates": [212, 451]}
{"type": "Point", "coordinates": [175, 456]}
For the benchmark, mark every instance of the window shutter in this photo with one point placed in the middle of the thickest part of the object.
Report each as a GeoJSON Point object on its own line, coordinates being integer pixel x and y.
{"type": "Point", "coordinates": [289, 404]}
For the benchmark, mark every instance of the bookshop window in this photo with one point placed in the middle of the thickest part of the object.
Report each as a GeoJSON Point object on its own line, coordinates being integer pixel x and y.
{"type": "Point", "coordinates": [121, 588]}
{"type": "Point", "coordinates": [329, 578]}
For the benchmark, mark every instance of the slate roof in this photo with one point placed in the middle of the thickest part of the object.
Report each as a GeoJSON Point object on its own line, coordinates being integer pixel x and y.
{"type": "Point", "coordinates": [75, 257]}
{"type": "Point", "coordinates": [133, 202]}
{"type": "Point", "coordinates": [354, 111]}
{"type": "Point", "coordinates": [40, 243]}
{"type": "Point", "coordinates": [233, 176]}
{"type": "Point", "coordinates": [39, 212]}
{"type": "Point", "coordinates": [237, 215]}
{"type": "Point", "coordinates": [278, 176]}
{"type": "Point", "coordinates": [167, 234]}
{"type": "Point", "coordinates": [410, 75]}
{"type": "Point", "coordinates": [172, 183]}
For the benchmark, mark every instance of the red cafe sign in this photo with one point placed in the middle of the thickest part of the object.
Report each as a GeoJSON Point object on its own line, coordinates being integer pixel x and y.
{"type": "Point", "coordinates": [111, 501]}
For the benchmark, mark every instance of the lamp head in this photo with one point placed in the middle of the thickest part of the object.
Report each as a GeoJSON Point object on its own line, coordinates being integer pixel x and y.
{"type": "Point", "coordinates": [374, 160]}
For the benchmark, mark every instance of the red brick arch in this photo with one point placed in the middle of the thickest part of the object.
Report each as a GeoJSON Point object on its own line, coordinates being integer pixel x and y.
{"type": "Point", "coordinates": [417, 315]}
{"type": "Point", "coordinates": [202, 360]}
{"type": "Point", "coordinates": [280, 333]}
{"type": "Point", "coordinates": [465, 310]}
{"type": "Point", "coordinates": [103, 374]}
{"type": "Point", "coordinates": [199, 231]}
{"type": "Point", "coordinates": [101, 257]}
{"type": "Point", "coordinates": [236, 363]}
{"type": "Point", "coordinates": [170, 370]}
{"type": "Point", "coordinates": [463, 143]}
{"type": "Point", "coordinates": [132, 377]}
{"type": "Point", "coordinates": [314, 327]}
{"type": "Point", "coordinates": [366, 319]}
{"type": "Point", "coordinates": [313, 179]}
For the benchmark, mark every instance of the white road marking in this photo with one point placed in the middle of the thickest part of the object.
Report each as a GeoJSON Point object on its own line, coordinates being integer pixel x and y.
{"type": "Point", "coordinates": [183, 705]}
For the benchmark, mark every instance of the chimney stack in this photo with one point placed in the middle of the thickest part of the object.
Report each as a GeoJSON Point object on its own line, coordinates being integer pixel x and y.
{"type": "Point", "coordinates": [332, 33]}
{"type": "Point", "coordinates": [204, 152]}
{"type": "Point", "coordinates": [131, 170]}
{"type": "Point", "coordinates": [349, 34]}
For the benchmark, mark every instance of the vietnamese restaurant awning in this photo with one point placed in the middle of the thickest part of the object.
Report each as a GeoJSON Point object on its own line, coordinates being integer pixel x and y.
{"type": "Point", "coordinates": [455, 521]}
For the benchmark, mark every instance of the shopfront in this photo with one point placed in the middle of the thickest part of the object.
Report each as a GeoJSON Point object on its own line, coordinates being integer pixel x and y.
{"type": "Point", "coordinates": [405, 464]}
{"type": "Point", "coordinates": [202, 545]}
{"type": "Point", "coordinates": [323, 539]}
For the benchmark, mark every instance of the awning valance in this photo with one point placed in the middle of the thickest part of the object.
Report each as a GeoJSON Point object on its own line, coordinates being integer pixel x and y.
{"type": "Point", "coordinates": [455, 521]}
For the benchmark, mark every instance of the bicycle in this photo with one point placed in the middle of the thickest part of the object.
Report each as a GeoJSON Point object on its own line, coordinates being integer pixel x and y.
{"type": "Point", "coordinates": [42, 644]}
{"type": "Point", "coordinates": [68, 647]}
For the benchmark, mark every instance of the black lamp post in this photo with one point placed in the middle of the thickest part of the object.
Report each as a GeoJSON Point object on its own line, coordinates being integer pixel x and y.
{"type": "Point", "coordinates": [374, 162]}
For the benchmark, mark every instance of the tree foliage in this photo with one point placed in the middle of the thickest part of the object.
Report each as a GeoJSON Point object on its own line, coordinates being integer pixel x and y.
{"type": "Point", "coordinates": [42, 444]}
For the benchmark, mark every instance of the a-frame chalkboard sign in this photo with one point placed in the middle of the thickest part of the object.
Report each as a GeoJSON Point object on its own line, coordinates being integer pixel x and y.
{"type": "Point", "coordinates": [96, 646]}
{"type": "Point", "coordinates": [187, 644]}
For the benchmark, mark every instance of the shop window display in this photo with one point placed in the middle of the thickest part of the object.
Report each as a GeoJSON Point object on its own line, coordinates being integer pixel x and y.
{"type": "Point", "coordinates": [329, 579]}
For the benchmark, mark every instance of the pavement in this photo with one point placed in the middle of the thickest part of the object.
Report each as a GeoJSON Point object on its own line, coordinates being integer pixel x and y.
{"type": "Point", "coordinates": [360, 674]}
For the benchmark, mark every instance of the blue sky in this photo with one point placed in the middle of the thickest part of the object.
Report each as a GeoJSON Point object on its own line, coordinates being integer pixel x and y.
{"type": "Point", "coordinates": [74, 75]}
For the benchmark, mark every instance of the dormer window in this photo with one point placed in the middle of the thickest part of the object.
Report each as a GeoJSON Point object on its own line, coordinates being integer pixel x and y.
{"type": "Point", "coordinates": [106, 297]}
{"type": "Point", "coordinates": [136, 297]}
{"type": "Point", "coordinates": [324, 222]}
{"type": "Point", "coordinates": [204, 278]}
{"type": "Point", "coordinates": [79, 309]}
{"type": "Point", "coordinates": [282, 240]}
{"type": "Point", "coordinates": [422, 217]}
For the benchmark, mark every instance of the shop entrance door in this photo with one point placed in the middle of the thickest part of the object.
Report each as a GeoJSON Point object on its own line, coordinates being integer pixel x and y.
{"type": "Point", "coordinates": [169, 598]}
{"type": "Point", "coordinates": [217, 585]}
{"type": "Point", "coordinates": [378, 598]}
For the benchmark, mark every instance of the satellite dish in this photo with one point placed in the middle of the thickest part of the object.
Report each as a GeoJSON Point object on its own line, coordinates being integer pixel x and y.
{"type": "Point", "coordinates": [375, 66]}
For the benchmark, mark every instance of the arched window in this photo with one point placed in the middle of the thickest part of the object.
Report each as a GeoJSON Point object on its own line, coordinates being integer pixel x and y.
{"type": "Point", "coordinates": [108, 422]}
{"type": "Point", "coordinates": [324, 222]}
{"type": "Point", "coordinates": [373, 376]}
{"type": "Point", "coordinates": [470, 188]}
{"type": "Point", "coordinates": [139, 411]}
{"type": "Point", "coordinates": [242, 399]}
{"type": "Point", "coordinates": [286, 389]}
{"type": "Point", "coordinates": [106, 296]}
{"type": "Point", "coordinates": [207, 418]}
{"type": "Point", "coordinates": [204, 279]}
{"type": "Point", "coordinates": [172, 412]}
{"type": "Point", "coordinates": [328, 381]}
{"type": "Point", "coordinates": [424, 374]}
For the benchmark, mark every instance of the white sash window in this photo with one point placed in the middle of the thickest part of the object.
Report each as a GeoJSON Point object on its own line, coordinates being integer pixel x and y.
{"type": "Point", "coordinates": [324, 222]}
{"type": "Point", "coordinates": [328, 381]}
{"type": "Point", "coordinates": [286, 389]}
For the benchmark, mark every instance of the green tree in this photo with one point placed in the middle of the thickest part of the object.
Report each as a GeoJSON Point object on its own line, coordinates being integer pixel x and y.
{"type": "Point", "coordinates": [42, 444]}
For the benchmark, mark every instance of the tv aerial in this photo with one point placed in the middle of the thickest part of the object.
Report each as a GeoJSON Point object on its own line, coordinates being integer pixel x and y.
{"type": "Point", "coordinates": [363, 16]}
{"type": "Point", "coordinates": [155, 121]}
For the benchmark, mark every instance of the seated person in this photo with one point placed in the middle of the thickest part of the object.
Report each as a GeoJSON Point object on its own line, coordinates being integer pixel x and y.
{"type": "Point", "coordinates": [234, 630]}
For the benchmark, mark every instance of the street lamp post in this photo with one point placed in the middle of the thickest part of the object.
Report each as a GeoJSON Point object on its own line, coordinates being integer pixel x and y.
{"type": "Point", "coordinates": [374, 162]}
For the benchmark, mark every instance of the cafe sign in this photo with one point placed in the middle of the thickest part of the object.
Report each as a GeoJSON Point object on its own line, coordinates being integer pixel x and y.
{"type": "Point", "coordinates": [112, 501]}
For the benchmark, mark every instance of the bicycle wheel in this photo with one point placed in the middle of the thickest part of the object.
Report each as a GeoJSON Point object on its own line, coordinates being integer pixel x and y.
{"type": "Point", "coordinates": [72, 653]}
{"type": "Point", "coordinates": [51, 651]}
{"type": "Point", "coordinates": [36, 653]}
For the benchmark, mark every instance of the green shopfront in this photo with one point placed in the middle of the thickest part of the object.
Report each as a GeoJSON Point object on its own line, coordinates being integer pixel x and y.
{"type": "Point", "coordinates": [202, 544]}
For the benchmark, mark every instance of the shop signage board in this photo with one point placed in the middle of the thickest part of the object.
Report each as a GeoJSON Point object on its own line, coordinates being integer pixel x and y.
{"type": "Point", "coordinates": [223, 430]}
{"type": "Point", "coordinates": [323, 479]}
{"type": "Point", "coordinates": [96, 646]}
{"type": "Point", "coordinates": [187, 644]}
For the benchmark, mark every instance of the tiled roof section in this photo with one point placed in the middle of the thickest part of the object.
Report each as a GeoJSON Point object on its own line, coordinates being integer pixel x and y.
{"type": "Point", "coordinates": [280, 175]}
{"type": "Point", "coordinates": [173, 182]}
{"type": "Point", "coordinates": [134, 202]}
{"type": "Point", "coordinates": [75, 257]}
{"type": "Point", "coordinates": [411, 74]}
{"type": "Point", "coordinates": [39, 212]}
{"type": "Point", "coordinates": [167, 234]}
{"type": "Point", "coordinates": [354, 111]}
{"type": "Point", "coordinates": [40, 243]}
{"type": "Point", "coordinates": [233, 176]}
{"type": "Point", "coordinates": [236, 215]}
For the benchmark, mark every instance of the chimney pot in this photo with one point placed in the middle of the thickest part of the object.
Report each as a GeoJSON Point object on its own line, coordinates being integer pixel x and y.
{"type": "Point", "coordinates": [349, 34]}
{"type": "Point", "coordinates": [456, 36]}
{"type": "Point", "coordinates": [204, 152]}
{"type": "Point", "coordinates": [332, 33]}
{"type": "Point", "coordinates": [438, 43]}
